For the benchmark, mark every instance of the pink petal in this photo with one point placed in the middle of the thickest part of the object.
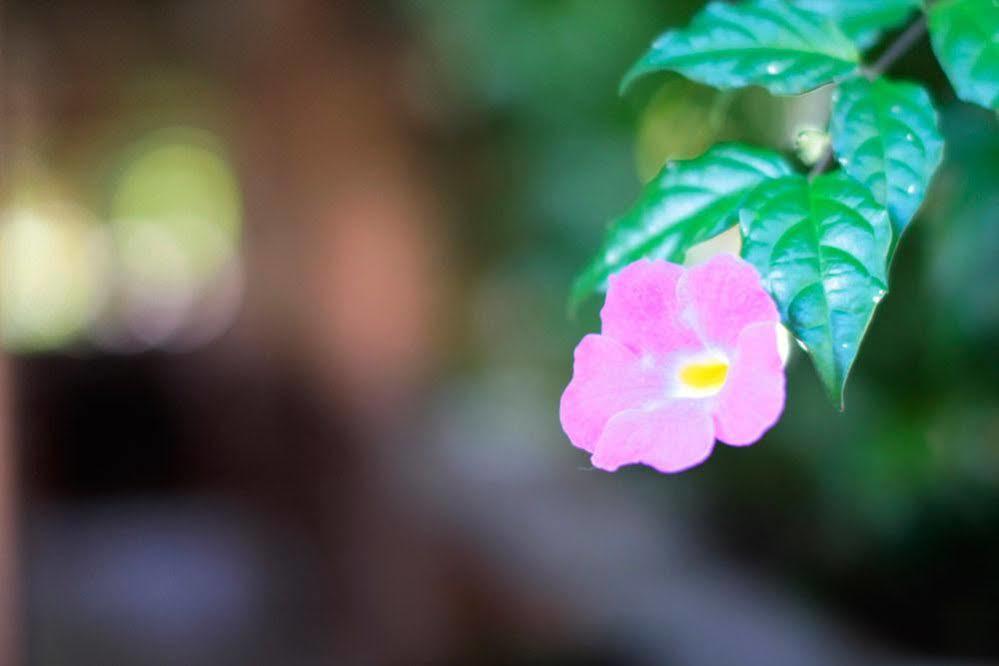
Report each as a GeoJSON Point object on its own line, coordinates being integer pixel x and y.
{"type": "Point", "coordinates": [607, 378]}
{"type": "Point", "coordinates": [727, 295]}
{"type": "Point", "coordinates": [753, 396]}
{"type": "Point", "coordinates": [642, 309]}
{"type": "Point", "coordinates": [675, 437]}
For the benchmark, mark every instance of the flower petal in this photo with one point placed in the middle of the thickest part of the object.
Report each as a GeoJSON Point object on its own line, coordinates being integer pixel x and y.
{"type": "Point", "coordinates": [727, 295]}
{"type": "Point", "coordinates": [642, 309]}
{"type": "Point", "coordinates": [607, 378]}
{"type": "Point", "coordinates": [675, 437]}
{"type": "Point", "coordinates": [753, 397]}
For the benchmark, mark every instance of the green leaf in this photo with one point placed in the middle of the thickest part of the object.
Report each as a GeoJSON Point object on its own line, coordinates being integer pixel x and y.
{"type": "Point", "coordinates": [688, 202]}
{"type": "Point", "coordinates": [965, 37]}
{"type": "Point", "coordinates": [761, 42]}
{"type": "Point", "coordinates": [886, 135]}
{"type": "Point", "coordinates": [681, 121]}
{"type": "Point", "coordinates": [822, 249]}
{"type": "Point", "coordinates": [863, 21]}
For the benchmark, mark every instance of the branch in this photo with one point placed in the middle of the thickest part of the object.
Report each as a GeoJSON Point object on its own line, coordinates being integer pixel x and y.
{"type": "Point", "coordinates": [898, 48]}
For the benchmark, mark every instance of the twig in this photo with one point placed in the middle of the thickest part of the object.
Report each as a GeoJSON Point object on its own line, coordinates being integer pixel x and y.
{"type": "Point", "coordinates": [898, 48]}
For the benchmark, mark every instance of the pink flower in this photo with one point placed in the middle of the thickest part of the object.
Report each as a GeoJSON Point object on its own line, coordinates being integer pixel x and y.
{"type": "Point", "coordinates": [685, 356]}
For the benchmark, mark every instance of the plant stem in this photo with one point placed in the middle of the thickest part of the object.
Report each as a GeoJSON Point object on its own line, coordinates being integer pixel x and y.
{"type": "Point", "coordinates": [898, 48]}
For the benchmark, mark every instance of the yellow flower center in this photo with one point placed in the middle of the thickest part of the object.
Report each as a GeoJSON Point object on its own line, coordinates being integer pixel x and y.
{"type": "Point", "coordinates": [704, 378]}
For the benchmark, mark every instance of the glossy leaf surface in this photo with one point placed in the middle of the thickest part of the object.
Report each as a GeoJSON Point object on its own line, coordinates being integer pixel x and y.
{"type": "Point", "coordinates": [762, 42]}
{"type": "Point", "coordinates": [863, 21]}
{"type": "Point", "coordinates": [965, 37]}
{"type": "Point", "coordinates": [688, 202]}
{"type": "Point", "coordinates": [886, 135]}
{"type": "Point", "coordinates": [822, 250]}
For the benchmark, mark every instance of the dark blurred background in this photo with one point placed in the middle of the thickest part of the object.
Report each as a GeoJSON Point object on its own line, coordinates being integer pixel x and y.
{"type": "Point", "coordinates": [282, 299]}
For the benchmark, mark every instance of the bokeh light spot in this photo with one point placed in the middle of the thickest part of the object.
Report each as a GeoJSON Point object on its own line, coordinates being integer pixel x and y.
{"type": "Point", "coordinates": [54, 268]}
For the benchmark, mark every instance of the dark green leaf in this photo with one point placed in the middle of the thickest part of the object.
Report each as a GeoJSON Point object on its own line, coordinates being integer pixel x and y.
{"type": "Point", "coordinates": [822, 249]}
{"type": "Point", "coordinates": [863, 21]}
{"type": "Point", "coordinates": [761, 42]}
{"type": "Point", "coordinates": [965, 37]}
{"type": "Point", "coordinates": [886, 135]}
{"type": "Point", "coordinates": [688, 202]}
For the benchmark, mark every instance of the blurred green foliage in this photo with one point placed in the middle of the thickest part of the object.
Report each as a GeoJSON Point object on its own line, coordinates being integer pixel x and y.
{"type": "Point", "coordinates": [857, 508]}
